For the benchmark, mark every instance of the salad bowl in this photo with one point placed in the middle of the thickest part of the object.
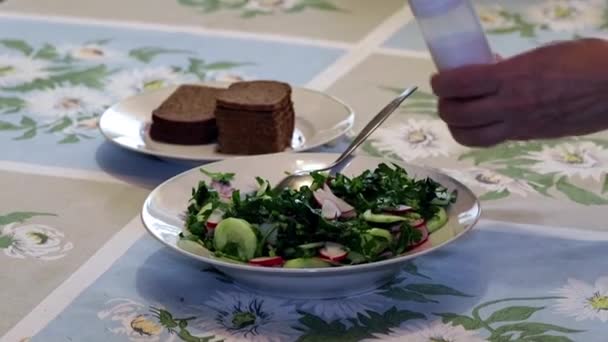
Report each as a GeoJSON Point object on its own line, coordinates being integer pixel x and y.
{"type": "Point", "coordinates": [164, 215]}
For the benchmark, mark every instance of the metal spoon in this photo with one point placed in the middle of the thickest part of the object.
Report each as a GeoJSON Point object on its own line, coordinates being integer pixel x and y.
{"type": "Point", "coordinates": [302, 178]}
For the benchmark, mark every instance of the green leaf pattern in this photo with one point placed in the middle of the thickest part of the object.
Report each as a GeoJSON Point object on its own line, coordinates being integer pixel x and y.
{"type": "Point", "coordinates": [254, 8]}
{"type": "Point", "coordinates": [531, 19]}
{"type": "Point", "coordinates": [397, 319]}
{"type": "Point", "coordinates": [513, 313]}
{"type": "Point", "coordinates": [573, 169]}
{"type": "Point", "coordinates": [73, 87]}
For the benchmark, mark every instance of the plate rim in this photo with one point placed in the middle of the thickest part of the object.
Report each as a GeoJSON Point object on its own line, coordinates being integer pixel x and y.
{"type": "Point", "coordinates": [349, 122]}
{"type": "Point", "coordinates": [331, 270]}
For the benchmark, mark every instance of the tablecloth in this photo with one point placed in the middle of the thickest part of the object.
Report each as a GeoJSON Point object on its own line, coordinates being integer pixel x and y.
{"type": "Point", "coordinates": [78, 265]}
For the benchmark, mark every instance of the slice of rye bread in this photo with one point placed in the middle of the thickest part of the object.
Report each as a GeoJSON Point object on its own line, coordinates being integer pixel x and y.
{"type": "Point", "coordinates": [287, 114]}
{"type": "Point", "coordinates": [284, 114]}
{"type": "Point", "coordinates": [254, 123]}
{"type": "Point", "coordinates": [243, 132]}
{"type": "Point", "coordinates": [256, 96]}
{"type": "Point", "coordinates": [181, 134]}
{"type": "Point", "coordinates": [291, 125]}
{"type": "Point", "coordinates": [187, 116]}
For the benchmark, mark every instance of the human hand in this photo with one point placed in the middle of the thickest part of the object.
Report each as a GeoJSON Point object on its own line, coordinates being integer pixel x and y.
{"type": "Point", "coordinates": [553, 91]}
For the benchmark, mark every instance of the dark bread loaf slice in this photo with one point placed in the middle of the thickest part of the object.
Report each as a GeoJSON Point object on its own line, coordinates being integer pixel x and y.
{"type": "Point", "coordinates": [284, 115]}
{"type": "Point", "coordinates": [291, 125]}
{"type": "Point", "coordinates": [184, 133]}
{"type": "Point", "coordinates": [187, 116]}
{"type": "Point", "coordinates": [256, 96]}
{"type": "Point", "coordinates": [248, 132]}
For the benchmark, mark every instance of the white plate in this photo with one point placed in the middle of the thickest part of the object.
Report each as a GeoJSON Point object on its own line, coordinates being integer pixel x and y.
{"type": "Point", "coordinates": [320, 119]}
{"type": "Point", "coordinates": [163, 211]}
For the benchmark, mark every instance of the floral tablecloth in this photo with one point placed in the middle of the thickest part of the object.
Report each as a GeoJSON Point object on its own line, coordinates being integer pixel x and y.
{"type": "Point", "coordinates": [78, 265]}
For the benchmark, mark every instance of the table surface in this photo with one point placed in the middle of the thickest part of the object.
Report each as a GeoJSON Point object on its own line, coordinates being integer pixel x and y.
{"type": "Point", "coordinates": [78, 265]}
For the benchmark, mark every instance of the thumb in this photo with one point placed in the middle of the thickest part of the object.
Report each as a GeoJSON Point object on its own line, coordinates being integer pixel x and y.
{"type": "Point", "coordinates": [466, 82]}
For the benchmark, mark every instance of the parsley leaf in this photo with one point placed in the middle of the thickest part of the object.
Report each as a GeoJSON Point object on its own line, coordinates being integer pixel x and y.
{"type": "Point", "coordinates": [286, 221]}
{"type": "Point", "coordinates": [224, 178]}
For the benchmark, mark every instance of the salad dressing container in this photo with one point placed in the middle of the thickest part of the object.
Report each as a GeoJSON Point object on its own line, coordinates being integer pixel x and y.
{"type": "Point", "coordinates": [452, 32]}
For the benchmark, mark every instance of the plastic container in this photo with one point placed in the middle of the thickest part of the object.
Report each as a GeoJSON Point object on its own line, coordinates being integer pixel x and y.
{"type": "Point", "coordinates": [453, 32]}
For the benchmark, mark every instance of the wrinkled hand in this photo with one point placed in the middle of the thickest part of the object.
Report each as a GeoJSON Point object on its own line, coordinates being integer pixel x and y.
{"type": "Point", "coordinates": [554, 91]}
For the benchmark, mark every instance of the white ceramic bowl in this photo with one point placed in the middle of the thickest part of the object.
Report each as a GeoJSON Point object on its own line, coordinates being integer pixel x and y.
{"type": "Point", "coordinates": [163, 210]}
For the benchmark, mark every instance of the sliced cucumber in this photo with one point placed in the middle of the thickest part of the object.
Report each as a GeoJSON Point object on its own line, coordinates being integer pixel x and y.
{"type": "Point", "coordinates": [437, 221]}
{"type": "Point", "coordinates": [381, 218]}
{"type": "Point", "coordinates": [442, 198]}
{"type": "Point", "coordinates": [373, 245]}
{"type": "Point", "coordinates": [201, 213]}
{"type": "Point", "coordinates": [232, 261]}
{"type": "Point", "coordinates": [236, 232]}
{"type": "Point", "coordinates": [192, 247]}
{"type": "Point", "coordinates": [262, 190]}
{"type": "Point", "coordinates": [355, 258]}
{"type": "Point", "coordinates": [414, 219]}
{"type": "Point", "coordinates": [381, 233]}
{"type": "Point", "coordinates": [306, 263]}
{"type": "Point", "coordinates": [312, 245]}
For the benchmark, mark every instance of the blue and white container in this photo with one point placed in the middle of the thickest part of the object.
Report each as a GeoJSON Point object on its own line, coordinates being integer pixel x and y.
{"type": "Point", "coordinates": [453, 32]}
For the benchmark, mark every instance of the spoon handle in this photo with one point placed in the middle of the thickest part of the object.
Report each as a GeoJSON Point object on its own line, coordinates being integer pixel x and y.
{"type": "Point", "coordinates": [373, 125]}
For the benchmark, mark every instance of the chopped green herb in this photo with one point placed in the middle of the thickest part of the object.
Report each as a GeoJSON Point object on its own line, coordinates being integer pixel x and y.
{"type": "Point", "coordinates": [224, 178]}
{"type": "Point", "coordinates": [290, 223]}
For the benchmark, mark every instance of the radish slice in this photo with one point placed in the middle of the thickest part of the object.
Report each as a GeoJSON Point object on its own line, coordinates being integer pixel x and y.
{"type": "Point", "coordinates": [418, 223]}
{"type": "Point", "coordinates": [344, 207]}
{"type": "Point", "coordinates": [349, 214]}
{"type": "Point", "coordinates": [422, 247]}
{"type": "Point", "coordinates": [387, 255]}
{"type": "Point", "coordinates": [330, 210]}
{"type": "Point", "coordinates": [424, 238]}
{"type": "Point", "coordinates": [214, 219]}
{"type": "Point", "coordinates": [225, 190]}
{"type": "Point", "coordinates": [414, 220]}
{"type": "Point", "coordinates": [333, 252]}
{"type": "Point", "coordinates": [320, 196]}
{"type": "Point", "coordinates": [400, 209]}
{"type": "Point", "coordinates": [267, 261]}
{"type": "Point", "coordinates": [396, 229]}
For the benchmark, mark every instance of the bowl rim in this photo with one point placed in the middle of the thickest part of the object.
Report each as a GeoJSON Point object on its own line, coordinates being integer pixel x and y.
{"type": "Point", "coordinates": [328, 270]}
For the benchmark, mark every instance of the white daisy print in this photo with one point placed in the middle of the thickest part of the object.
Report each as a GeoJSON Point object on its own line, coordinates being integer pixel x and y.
{"type": "Point", "coordinates": [584, 301]}
{"type": "Point", "coordinates": [66, 100]}
{"type": "Point", "coordinates": [434, 332]}
{"type": "Point", "coordinates": [416, 139]}
{"type": "Point", "coordinates": [494, 17]}
{"type": "Point", "coordinates": [583, 159]}
{"type": "Point", "coordinates": [243, 317]}
{"type": "Point", "coordinates": [228, 77]}
{"type": "Point", "coordinates": [132, 82]}
{"type": "Point", "coordinates": [490, 180]}
{"type": "Point", "coordinates": [91, 52]}
{"type": "Point", "coordinates": [342, 308]}
{"type": "Point", "coordinates": [34, 241]}
{"type": "Point", "coordinates": [132, 320]}
{"type": "Point", "coordinates": [88, 124]}
{"type": "Point", "coordinates": [16, 70]}
{"type": "Point", "coordinates": [567, 15]}
{"type": "Point", "coordinates": [270, 6]}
